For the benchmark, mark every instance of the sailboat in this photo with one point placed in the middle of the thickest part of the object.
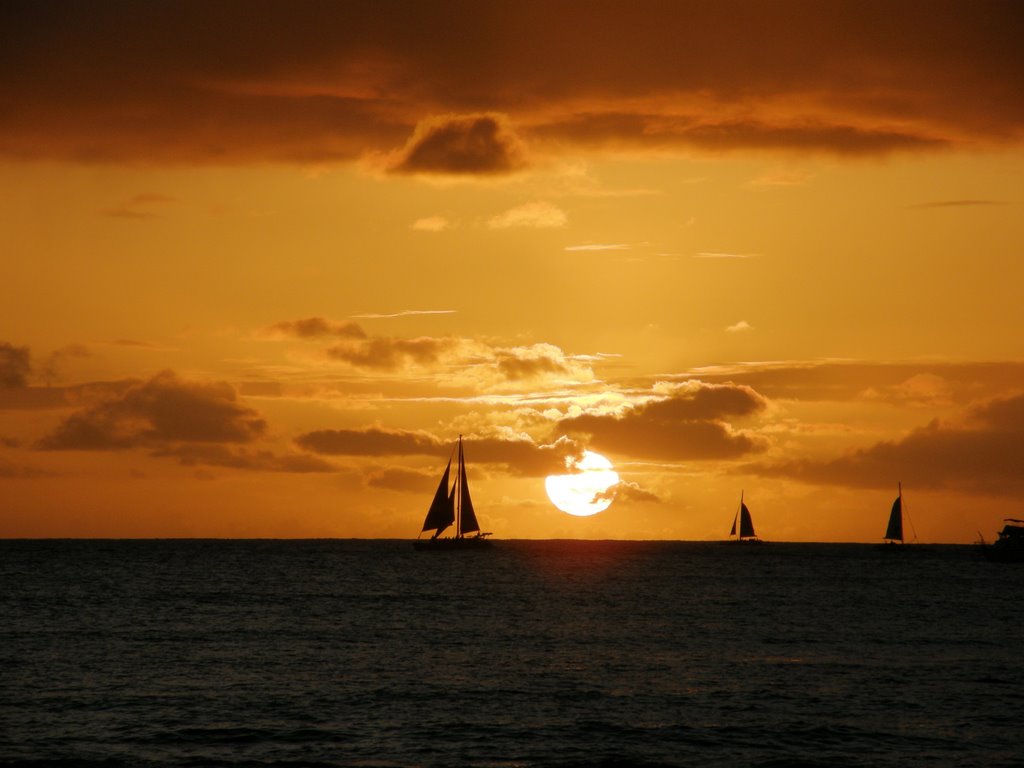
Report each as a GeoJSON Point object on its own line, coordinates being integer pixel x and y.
{"type": "Point", "coordinates": [745, 534]}
{"type": "Point", "coordinates": [450, 507]}
{"type": "Point", "coordinates": [894, 530]}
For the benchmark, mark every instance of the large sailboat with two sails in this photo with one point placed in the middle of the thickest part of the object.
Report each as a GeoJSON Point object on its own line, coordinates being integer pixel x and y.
{"type": "Point", "coordinates": [742, 531]}
{"type": "Point", "coordinates": [452, 506]}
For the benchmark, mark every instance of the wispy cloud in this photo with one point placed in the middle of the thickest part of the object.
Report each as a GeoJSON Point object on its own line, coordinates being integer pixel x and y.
{"type": "Point", "coordinates": [723, 255]}
{"type": "Point", "coordinates": [600, 247]}
{"type": "Point", "coordinates": [124, 212]}
{"type": "Point", "coordinates": [539, 215]}
{"type": "Point", "coordinates": [139, 206]}
{"type": "Point", "coordinates": [404, 313]}
{"type": "Point", "coordinates": [782, 179]}
{"type": "Point", "coordinates": [739, 327]}
{"type": "Point", "coordinates": [432, 224]}
{"type": "Point", "coordinates": [149, 198]}
{"type": "Point", "coordinates": [969, 203]}
{"type": "Point", "coordinates": [140, 344]}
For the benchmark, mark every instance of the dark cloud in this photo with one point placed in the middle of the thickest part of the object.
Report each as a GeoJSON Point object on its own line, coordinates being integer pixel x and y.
{"type": "Point", "coordinates": [525, 458]}
{"type": "Point", "coordinates": [371, 442]}
{"type": "Point", "coordinates": [362, 351]}
{"type": "Point", "coordinates": [517, 457]}
{"type": "Point", "coordinates": [15, 366]}
{"type": "Point", "coordinates": [231, 82]}
{"type": "Point", "coordinates": [461, 145]}
{"type": "Point", "coordinates": [689, 424]}
{"type": "Point", "coordinates": [318, 327]}
{"type": "Point", "coordinates": [240, 458]}
{"type": "Point", "coordinates": [389, 354]}
{"type": "Point", "coordinates": [399, 479]}
{"type": "Point", "coordinates": [514, 366]}
{"type": "Point", "coordinates": [981, 455]}
{"type": "Point", "coordinates": [706, 401]}
{"type": "Point", "coordinates": [164, 409]}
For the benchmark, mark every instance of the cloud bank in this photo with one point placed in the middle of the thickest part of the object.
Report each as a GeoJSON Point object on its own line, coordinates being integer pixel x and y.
{"type": "Point", "coordinates": [162, 409]}
{"type": "Point", "coordinates": [519, 456]}
{"type": "Point", "coordinates": [979, 455]}
{"type": "Point", "coordinates": [434, 87]}
{"type": "Point", "coordinates": [195, 422]}
{"type": "Point", "coordinates": [690, 422]}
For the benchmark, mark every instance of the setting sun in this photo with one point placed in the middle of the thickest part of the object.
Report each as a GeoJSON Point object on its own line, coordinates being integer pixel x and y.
{"type": "Point", "coordinates": [587, 490]}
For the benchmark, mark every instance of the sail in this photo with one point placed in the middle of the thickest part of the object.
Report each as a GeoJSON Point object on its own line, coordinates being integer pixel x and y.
{"type": "Point", "coordinates": [746, 524]}
{"type": "Point", "coordinates": [732, 531]}
{"type": "Point", "coordinates": [442, 509]}
{"type": "Point", "coordinates": [895, 529]}
{"type": "Point", "coordinates": [467, 517]}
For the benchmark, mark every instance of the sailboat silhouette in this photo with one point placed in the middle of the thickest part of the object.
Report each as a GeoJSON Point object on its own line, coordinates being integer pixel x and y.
{"type": "Point", "coordinates": [894, 530]}
{"type": "Point", "coordinates": [745, 534]}
{"type": "Point", "coordinates": [894, 536]}
{"type": "Point", "coordinates": [452, 507]}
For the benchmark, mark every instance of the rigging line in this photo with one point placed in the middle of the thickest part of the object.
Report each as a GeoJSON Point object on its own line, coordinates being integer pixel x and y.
{"type": "Point", "coordinates": [458, 495]}
{"type": "Point", "coordinates": [903, 511]}
{"type": "Point", "coordinates": [910, 520]}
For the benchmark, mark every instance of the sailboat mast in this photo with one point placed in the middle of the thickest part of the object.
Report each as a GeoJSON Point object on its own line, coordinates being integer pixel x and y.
{"type": "Point", "coordinates": [458, 495]}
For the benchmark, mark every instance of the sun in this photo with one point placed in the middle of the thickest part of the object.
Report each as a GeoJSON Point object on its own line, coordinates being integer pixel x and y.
{"type": "Point", "coordinates": [585, 491]}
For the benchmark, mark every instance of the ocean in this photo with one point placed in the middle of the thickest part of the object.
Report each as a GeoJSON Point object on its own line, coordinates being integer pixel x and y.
{"type": "Point", "coordinates": [535, 653]}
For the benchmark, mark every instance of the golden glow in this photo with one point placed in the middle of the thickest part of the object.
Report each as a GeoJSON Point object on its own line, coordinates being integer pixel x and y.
{"type": "Point", "coordinates": [261, 302]}
{"type": "Point", "coordinates": [586, 491]}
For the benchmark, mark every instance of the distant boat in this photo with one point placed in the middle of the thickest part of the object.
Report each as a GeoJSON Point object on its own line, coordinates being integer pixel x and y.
{"type": "Point", "coordinates": [1009, 547]}
{"type": "Point", "coordinates": [894, 529]}
{"type": "Point", "coordinates": [745, 533]}
{"type": "Point", "coordinates": [452, 507]}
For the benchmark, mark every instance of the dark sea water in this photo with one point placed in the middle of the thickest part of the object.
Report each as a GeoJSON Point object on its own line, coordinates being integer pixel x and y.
{"type": "Point", "coordinates": [367, 653]}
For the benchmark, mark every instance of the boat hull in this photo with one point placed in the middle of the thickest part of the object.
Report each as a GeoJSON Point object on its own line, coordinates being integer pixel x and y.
{"type": "Point", "coordinates": [742, 541]}
{"type": "Point", "coordinates": [449, 545]}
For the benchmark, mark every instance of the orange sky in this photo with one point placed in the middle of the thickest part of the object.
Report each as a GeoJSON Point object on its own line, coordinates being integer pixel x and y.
{"type": "Point", "coordinates": [264, 262]}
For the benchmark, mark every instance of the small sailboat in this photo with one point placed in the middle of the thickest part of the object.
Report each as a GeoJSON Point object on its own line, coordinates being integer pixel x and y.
{"type": "Point", "coordinates": [450, 507]}
{"type": "Point", "coordinates": [745, 533]}
{"type": "Point", "coordinates": [894, 531]}
{"type": "Point", "coordinates": [894, 535]}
